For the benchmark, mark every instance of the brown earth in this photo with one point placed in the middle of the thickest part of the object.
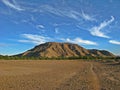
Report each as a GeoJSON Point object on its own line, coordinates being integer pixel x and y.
{"type": "Point", "coordinates": [59, 75]}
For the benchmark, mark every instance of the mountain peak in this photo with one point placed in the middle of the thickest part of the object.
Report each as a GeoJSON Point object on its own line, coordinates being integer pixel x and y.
{"type": "Point", "coordinates": [58, 49]}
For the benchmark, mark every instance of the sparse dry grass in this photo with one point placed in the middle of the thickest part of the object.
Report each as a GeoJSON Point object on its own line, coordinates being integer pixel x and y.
{"type": "Point", "coordinates": [58, 75]}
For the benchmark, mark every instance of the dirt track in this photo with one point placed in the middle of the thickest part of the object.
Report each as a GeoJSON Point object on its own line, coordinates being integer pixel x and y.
{"type": "Point", "coordinates": [58, 75]}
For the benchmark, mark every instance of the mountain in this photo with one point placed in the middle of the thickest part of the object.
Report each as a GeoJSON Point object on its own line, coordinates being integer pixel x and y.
{"type": "Point", "coordinates": [102, 53]}
{"type": "Point", "coordinates": [54, 49]}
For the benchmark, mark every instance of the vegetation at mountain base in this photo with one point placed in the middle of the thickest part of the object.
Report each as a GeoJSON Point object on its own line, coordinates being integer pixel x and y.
{"type": "Point", "coordinates": [58, 58]}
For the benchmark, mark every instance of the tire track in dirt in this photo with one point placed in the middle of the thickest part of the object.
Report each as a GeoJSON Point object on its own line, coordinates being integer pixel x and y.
{"type": "Point", "coordinates": [95, 80]}
{"type": "Point", "coordinates": [85, 79]}
{"type": "Point", "coordinates": [109, 75]}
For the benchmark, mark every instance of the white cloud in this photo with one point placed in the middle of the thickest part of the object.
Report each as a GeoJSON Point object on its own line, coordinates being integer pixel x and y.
{"type": "Point", "coordinates": [81, 27]}
{"type": "Point", "coordinates": [36, 39]}
{"type": "Point", "coordinates": [26, 41]}
{"type": "Point", "coordinates": [56, 30]}
{"type": "Point", "coordinates": [96, 30]}
{"type": "Point", "coordinates": [13, 5]}
{"type": "Point", "coordinates": [114, 42]}
{"type": "Point", "coordinates": [80, 41]}
{"type": "Point", "coordinates": [60, 12]}
{"type": "Point", "coordinates": [40, 26]}
{"type": "Point", "coordinates": [33, 18]}
{"type": "Point", "coordinates": [66, 12]}
{"type": "Point", "coordinates": [87, 17]}
{"type": "Point", "coordinates": [61, 24]}
{"type": "Point", "coordinates": [24, 21]}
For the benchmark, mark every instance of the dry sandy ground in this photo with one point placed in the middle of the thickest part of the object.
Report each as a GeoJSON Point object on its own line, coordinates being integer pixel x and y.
{"type": "Point", "coordinates": [58, 75]}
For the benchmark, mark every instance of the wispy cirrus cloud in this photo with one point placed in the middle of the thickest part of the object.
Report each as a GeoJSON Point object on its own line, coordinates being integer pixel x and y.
{"type": "Point", "coordinates": [35, 39]}
{"type": "Point", "coordinates": [60, 12]}
{"type": "Point", "coordinates": [12, 4]}
{"type": "Point", "coordinates": [87, 17]}
{"type": "Point", "coordinates": [80, 41]}
{"type": "Point", "coordinates": [96, 30]}
{"type": "Point", "coordinates": [114, 42]}
{"type": "Point", "coordinates": [61, 24]}
{"type": "Point", "coordinates": [67, 12]}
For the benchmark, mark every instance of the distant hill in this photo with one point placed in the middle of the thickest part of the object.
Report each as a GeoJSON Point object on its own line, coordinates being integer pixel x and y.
{"type": "Point", "coordinates": [102, 53]}
{"type": "Point", "coordinates": [54, 49]}
{"type": "Point", "coordinates": [1, 55]}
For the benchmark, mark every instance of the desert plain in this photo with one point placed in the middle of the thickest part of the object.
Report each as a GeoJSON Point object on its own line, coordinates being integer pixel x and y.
{"type": "Point", "coordinates": [59, 75]}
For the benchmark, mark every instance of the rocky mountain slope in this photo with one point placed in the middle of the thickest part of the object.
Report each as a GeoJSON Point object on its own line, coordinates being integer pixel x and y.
{"type": "Point", "coordinates": [54, 49]}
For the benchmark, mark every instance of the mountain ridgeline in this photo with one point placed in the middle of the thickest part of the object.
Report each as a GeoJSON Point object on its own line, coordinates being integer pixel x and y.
{"type": "Point", "coordinates": [54, 49]}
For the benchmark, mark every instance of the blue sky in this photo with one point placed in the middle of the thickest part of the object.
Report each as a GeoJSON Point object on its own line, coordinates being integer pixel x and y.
{"type": "Point", "coordinates": [89, 23]}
